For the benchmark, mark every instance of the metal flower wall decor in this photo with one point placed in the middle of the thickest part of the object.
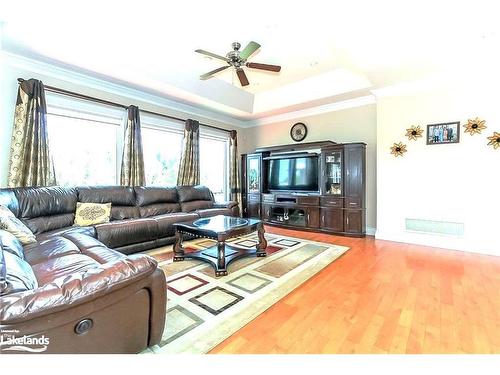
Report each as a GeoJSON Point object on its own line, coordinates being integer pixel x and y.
{"type": "Point", "coordinates": [414, 132]}
{"type": "Point", "coordinates": [398, 149]}
{"type": "Point", "coordinates": [494, 140]}
{"type": "Point", "coordinates": [475, 126]}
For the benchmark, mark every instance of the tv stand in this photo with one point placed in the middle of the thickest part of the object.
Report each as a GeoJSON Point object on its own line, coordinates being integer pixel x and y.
{"type": "Point", "coordinates": [337, 208]}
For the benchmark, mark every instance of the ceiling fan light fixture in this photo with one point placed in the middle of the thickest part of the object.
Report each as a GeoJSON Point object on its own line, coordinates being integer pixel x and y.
{"type": "Point", "coordinates": [238, 59]}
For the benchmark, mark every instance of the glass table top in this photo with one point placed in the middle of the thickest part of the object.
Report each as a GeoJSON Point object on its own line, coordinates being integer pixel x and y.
{"type": "Point", "coordinates": [220, 223]}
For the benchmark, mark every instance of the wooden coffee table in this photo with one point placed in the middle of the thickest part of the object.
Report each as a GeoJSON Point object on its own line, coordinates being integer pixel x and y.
{"type": "Point", "coordinates": [219, 228]}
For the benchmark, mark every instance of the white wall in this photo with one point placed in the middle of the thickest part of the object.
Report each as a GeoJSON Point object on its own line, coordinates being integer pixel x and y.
{"type": "Point", "coordinates": [453, 183]}
{"type": "Point", "coordinates": [12, 68]}
{"type": "Point", "coordinates": [347, 125]}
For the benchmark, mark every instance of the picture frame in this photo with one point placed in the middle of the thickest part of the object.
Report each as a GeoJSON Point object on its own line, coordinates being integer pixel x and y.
{"type": "Point", "coordinates": [443, 133]}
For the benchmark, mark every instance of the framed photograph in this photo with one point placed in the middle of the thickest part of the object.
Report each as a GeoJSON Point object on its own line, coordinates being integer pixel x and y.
{"type": "Point", "coordinates": [448, 132]}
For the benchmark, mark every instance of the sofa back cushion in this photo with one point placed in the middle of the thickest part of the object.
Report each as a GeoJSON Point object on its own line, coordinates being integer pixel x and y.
{"type": "Point", "coordinates": [16, 274]}
{"type": "Point", "coordinates": [46, 208]}
{"type": "Point", "coordinates": [153, 201]}
{"type": "Point", "coordinates": [8, 199]}
{"type": "Point", "coordinates": [10, 243]}
{"type": "Point", "coordinates": [194, 198]}
{"type": "Point", "coordinates": [122, 199]}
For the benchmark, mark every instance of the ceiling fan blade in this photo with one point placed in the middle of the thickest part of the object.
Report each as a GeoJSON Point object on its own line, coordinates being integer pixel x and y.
{"type": "Point", "coordinates": [242, 77]}
{"type": "Point", "coordinates": [203, 52]}
{"type": "Point", "coordinates": [271, 68]}
{"type": "Point", "coordinates": [249, 50]}
{"type": "Point", "coordinates": [211, 73]}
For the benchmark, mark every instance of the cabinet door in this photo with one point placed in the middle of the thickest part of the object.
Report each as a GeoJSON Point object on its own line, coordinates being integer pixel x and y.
{"type": "Point", "coordinates": [254, 173]}
{"type": "Point", "coordinates": [332, 160]}
{"type": "Point", "coordinates": [354, 158]}
{"type": "Point", "coordinates": [332, 219]}
{"type": "Point", "coordinates": [312, 217]}
{"type": "Point", "coordinates": [353, 221]}
{"type": "Point", "coordinates": [253, 210]}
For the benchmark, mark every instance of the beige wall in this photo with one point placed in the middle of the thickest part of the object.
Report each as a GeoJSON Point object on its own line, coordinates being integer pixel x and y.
{"type": "Point", "coordinates": [456, 183]}
{"type": "Point", "coordinates": [348, 125]}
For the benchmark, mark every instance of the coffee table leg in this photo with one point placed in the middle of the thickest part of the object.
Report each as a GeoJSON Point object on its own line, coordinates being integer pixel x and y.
{"type": "Point", "coordinates": [221, 259]}
{"type": "Point", "coordinates": [261, 246]}
{"type": "Point", "coordinates": [178, 249]}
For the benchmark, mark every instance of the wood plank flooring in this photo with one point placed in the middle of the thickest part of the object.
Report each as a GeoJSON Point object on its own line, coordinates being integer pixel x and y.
{"type": "Point", "coordinates": [383, 297]}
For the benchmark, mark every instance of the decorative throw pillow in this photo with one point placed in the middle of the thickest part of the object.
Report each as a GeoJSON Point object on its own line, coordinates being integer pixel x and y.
{"type": "Point", "coordinates": [12, 224]}
{"type": "Point", "coordinates": [92, 213]}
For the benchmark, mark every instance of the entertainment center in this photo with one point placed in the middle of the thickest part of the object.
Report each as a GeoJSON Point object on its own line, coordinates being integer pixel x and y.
{"type": "Point", "coordinates": [317, 186]}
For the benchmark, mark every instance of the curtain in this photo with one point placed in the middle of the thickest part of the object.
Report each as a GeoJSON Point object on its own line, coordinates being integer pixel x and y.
{"type": "Point", "coordinates": [132, 170]}
{"type": "Point", "coordinates": [30, 160]}
{"type": "Point", "coordinates": [234, 175]}
{"type": "Point", "coordinates": [189, 167]}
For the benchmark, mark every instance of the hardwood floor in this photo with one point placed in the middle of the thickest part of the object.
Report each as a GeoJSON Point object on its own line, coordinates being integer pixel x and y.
{"type": "Point", "coordinates": [383, 297]}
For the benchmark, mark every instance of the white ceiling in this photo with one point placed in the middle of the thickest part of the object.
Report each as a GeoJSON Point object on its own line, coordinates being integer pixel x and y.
{"type": "Point", "coordinates": [328, 50]}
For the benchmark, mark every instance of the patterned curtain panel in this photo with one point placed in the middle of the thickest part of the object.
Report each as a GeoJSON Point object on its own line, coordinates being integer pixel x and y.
{"type": "Point", "coordinates": [189, 167]}
{"type": "Point", "coordinates": [132, 170]}
{"type": "Point", "coordinates": [30, 160]}
{"type": "Point", "coordinates": [234, 173]}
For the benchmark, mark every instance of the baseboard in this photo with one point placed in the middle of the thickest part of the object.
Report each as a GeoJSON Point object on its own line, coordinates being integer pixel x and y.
{"type": "Point", "coordinates": [371, 231]}
{"type": "Point", "coordinates": [440, 241]}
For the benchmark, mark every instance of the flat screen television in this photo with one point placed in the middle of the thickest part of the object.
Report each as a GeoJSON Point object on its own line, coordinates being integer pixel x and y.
{"type": "Point", "coordinates": [294, 174]}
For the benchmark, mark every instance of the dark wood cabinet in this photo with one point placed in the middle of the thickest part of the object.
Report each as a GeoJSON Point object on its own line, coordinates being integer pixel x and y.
{"type": "Point", "coordinates": [353, 221]}
{"type": "Point", "coordinates": [339, 205]}
{"type": "Point", "coordinates": [332, 219]}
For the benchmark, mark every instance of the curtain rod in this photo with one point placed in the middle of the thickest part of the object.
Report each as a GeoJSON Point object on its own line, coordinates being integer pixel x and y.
{"type": "Point", "coordinates": [114, 104]}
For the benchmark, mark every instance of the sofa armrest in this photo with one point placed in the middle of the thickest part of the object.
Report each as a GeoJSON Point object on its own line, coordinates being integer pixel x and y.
{"type": "Point", "coordinates": [229, 204]}
{"type": "Point", "coordinates": [69, 291]}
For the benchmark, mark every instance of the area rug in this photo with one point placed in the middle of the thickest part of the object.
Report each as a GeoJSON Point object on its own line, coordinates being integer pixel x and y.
{"type": "Point", "coordinates": [204, 310]}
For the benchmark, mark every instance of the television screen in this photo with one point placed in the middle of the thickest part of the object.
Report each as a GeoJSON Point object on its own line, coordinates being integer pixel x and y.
{"type": "Point", "coordinates": [293, 174]}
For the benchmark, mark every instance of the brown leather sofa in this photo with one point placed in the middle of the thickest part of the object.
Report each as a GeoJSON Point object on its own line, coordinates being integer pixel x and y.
{"type": "Point", "coordinates": [71, 287]}
{"type": "Point", "coordinates": [142, 218]}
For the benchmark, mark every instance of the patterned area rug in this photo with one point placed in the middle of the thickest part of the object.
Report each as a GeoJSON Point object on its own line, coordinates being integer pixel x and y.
{"type": "Point", "coordinates": [203, 310]}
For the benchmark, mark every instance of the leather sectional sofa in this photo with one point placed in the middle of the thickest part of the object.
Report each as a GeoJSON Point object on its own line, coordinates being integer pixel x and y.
{"type": "Point", "coordinates": [79, 286]}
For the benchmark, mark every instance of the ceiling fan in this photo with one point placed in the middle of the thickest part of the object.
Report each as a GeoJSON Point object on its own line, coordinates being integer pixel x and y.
{"type": "Point", "coordinates": [238, 59]}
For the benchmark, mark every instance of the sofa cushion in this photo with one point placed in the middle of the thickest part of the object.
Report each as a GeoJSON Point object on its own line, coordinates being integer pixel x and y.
{"type": "Point", "coordinates": [196, 205]}
{"type": "Point", "coordinates": [10, 243]}
{"type": "Point", "coordinates": [146, 195]}
{"type": "Point", "coordinates": [165, 222]}
{"type": "Point", "coordinates": [194, 193]}
{"type": "Point", "coordinates": [54, 268]}
{"type": "Point", "coordinates": [42, 224]}
{"type": "Point", "coordinates": [12, 224]}
{"type": "Point", "coordinates": [8, 199]}
{"type": "Point", "coordinates": [209, 212]}
{"type": "Point", "coordinates": [122, 199]}
{"type": "Point", "coordinates": [92, 213]}
{"type": "Point", "coordinates": [94, 248]}
{"type": "Point", "coordinates": [45, 201]}
{"type": "Point", "coordinates": [125, 232]}
{"type": "Point", "coordinates": [18, 274]}
{"type": "Point", "coordinates": [52, 247]}
{"type": "Point", "coordinates": [89, 231]}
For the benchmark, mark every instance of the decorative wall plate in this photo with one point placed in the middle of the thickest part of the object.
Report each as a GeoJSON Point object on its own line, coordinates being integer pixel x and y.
{"type": "Point", "coordinates": [398, 149]}
{"type": "Point", "coordinates": [494, 140]}
{"type": "Point", "coordinates": [475, 126]}
{"type": "Point", "coordinates": [414, 132]}
{"type": "Point", "coordinates": [298, 132]}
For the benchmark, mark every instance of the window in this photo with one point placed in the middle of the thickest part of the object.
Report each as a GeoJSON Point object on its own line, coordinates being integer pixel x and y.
{"type": "Point", "coordinates": [162, 153]}
{"type": "Point", "coordinates": [83, 147]}
{"type": "Point", "coordinates": [214, 167]}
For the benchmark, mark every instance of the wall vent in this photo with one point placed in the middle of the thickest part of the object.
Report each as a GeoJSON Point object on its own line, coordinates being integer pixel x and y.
{"type": "Point", "coordinates": [435, 227]}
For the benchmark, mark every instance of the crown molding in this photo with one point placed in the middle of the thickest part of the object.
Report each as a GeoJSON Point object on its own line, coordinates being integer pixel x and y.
{"type": "Point", "coordinates": [81, 79]}
{"type": "Point", "coordinates": [313, 111]}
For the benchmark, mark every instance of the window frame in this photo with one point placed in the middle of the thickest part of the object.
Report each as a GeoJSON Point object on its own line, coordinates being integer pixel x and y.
{"type": "Point", "coordinates": [69, 107]}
